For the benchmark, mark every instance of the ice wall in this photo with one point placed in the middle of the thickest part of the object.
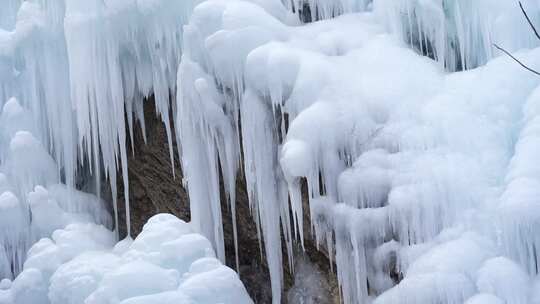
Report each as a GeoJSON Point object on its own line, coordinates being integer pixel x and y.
{"type": "Point", "coordinates": [402, 160]}
{"type": "Point", "coordinates": [33, 203]}
{"type": "Point", "coordinates": [460, 34]}
{"type": "Point", "coordinates": [69, 72]}
{"type": "Point", "coordinates": [73, 77]}
{"type": "Point", "coordinates": [79, 66]}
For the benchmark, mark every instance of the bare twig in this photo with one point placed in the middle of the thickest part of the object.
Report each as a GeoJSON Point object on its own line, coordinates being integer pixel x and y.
{"type": "Point", "coordinates": [529, 20]}
{"type": "Point", "coordinates": [535, 33]}
{"type": "Point", "coordinates": [516, 60]}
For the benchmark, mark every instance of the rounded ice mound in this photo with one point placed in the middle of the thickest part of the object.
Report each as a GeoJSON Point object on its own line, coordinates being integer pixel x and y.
{"type": "Point", "coordinates": [47, 216]}
{"type": "Point", "coordinates": [505, 279]}
{"type": "Point", "coordinates": [271, 70]}
{"type": "Point", "coordinates": [435, 287]}
{"type": "Point", "coordinates": [5, 284]}
{"type": "Point", "coordinates": [463, 255]}
{"type": "Point", "coordinates": [45, 256]}
{"type": "Point", "coordinates": [211, 282]}
{"type": "Point", "coordinates": [296, 159]}
{"type": "Point", "coordinates": [160, 229]}
{"type": "Point", "coordinates": [133, 279]}
{"type": "Point", "coordinates": [204, 265]}
{"type": "Point", "coordinates": [28, 162]}
{"type": "Point", "coordinates": [49, 254]}
{"type": "Point", "coordinates": [12, 108]}
{"type": "Point", "coordinates": [74, 281]}
{"type": "Point", "coordinates": [78, 238]}
{"type": "Point", "coordinates": [166, 263]}
{"type": "Point", "coordinates": [192, 246]}
{"type": "Point", "coordinates": [29, 287]}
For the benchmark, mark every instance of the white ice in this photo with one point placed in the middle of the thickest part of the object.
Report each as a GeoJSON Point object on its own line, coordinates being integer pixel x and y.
{"type": "Point", "coordinates": [81, 264]}
{"type": "Point", "coordinates": [69, 71]}
{"type": "Point", "coordinates": [404, 160]}
{"type": "Point", "coordinates": [422, 180]}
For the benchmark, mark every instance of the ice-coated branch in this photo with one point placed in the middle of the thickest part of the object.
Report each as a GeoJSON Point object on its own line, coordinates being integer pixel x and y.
{"type": "Point", "coordinates": [516, 60]}
{"type": "Point", "coordinates": [529, 20]}
{"type": "Point", "coordinates": [535, 33]}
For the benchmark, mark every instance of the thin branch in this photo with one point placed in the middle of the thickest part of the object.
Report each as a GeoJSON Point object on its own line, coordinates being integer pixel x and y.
{"type": "Point", "coordinates": [529, 20]}
{"type": "Point", "coordinates": [516, 60]}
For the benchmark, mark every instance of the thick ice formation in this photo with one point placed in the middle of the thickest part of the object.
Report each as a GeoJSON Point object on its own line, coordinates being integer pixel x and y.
{"type": "Point", "coordinates": [69, 71]}
{"type": "Point", "coordinates": [404, 163]}
{"type": "Point", "coordinates": [460, 33]}
{"type": "Point", "coordinates": [81, 70]}
{"type": "Point", "coordinates": [134, 47]}
{"type": "Point", "coordinates": [81, 264]}
{"type": "Point", "coordinates": [32, 202]}
{"type": "Point", "coordinates": [422, 184]}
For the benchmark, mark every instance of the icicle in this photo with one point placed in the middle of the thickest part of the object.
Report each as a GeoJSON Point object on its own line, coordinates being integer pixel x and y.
{"type": "Point", "coordinates": [202, 126]}
{"type": "Point", "coordinates": [326, 9]}
{"type": "Point", "coordinates": [459, 34]}
{"type": "Point", "coordinates": [133, 55]}
{"type": "Point", "coordinates": [75, 69]}
{"type": "Point", "coordinates": [267, 190]}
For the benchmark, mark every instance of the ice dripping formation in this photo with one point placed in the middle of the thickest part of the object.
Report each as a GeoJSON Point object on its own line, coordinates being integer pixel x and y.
{"type": "Point", "coordinates": [72, 69]}
{"type": "Point", "coordinates": [73, 79]}
{"type": "Point", "coordinates": [404, 181]}
{"type": "Point", "coordinates": [422, 181]}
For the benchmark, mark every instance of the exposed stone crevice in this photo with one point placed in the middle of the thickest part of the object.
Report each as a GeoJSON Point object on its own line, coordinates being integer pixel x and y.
{"type": "Point", "coordinates": [153, 189]}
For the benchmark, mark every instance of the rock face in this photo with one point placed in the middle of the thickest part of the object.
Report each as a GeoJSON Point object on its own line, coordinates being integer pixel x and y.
{"type": "Point", "coordinates": [154, 189]}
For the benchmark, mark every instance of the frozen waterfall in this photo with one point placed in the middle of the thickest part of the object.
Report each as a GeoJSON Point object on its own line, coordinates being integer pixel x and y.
{"type": "Point", "coordinates": [404, 161]}
{"type": "Point", "coordinates": [73, 78]}
{"type": "Point", "coordinates": [413, 139]}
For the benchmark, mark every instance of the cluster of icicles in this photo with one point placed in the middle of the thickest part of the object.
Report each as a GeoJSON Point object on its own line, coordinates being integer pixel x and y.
{"type": "Point", "coordinates": [73, 78]}
{"type": "Point", "coordinates": [404, 180]}
{"type": "Point", "coordinates": [259, 93]}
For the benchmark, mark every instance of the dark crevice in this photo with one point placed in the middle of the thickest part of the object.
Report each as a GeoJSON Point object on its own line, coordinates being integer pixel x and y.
{"type": "Point", "coordinates": [154, 190]}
